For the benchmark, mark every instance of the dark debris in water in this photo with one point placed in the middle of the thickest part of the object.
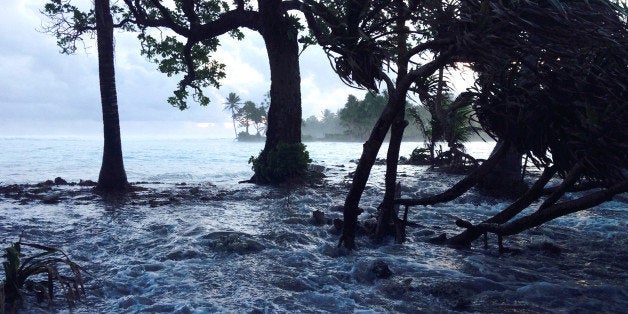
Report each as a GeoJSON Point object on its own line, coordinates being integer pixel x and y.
{"type": "Point", "coordinates": [153, 194]}
{"type": "Point", "coordinates": [231, 242]}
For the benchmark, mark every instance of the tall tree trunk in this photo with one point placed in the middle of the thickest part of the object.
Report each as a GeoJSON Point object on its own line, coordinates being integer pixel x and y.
{"type": "Point", "coordinates": [505, 179]}
{"type": "Point", "coordinates": [361, 175]}
{"type": "Point", "coordinates": [235, 130]}
{"type": "Point", "coordinates": [388, 213]}
{"type": "Point", "coordinates": [284, 112]}
{"type": "Point", "coordinates": [112, 175]}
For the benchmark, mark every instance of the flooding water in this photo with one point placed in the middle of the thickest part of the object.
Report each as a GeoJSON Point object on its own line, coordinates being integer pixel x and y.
{"type": "Point", "coordinates": [213, 245]}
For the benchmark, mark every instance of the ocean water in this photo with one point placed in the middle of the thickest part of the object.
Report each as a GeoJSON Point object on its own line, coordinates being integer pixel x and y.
{"type": "Point", "coordinates": [213, 245]}
{"type": "Point", "coordinates": [217, 161]}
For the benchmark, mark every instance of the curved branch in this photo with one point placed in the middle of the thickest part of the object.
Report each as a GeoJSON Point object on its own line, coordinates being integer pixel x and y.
{"type": "Point", "coordinates": [533, 193]}
{"type": "Point", "coordinates": [462, 186]}
{"type": "Point", "coordinates": [569, 181]}
{"type": "Point", "coordinates": [229, 21]}
{"type": "Point", "coordinates": [424, 70]}
{"type": "Point", "coordinates": [555, 211]}
{"type": "Point", "coordinates": [226, 22]}
{"type": "Point", "coordinates": [439, 43]}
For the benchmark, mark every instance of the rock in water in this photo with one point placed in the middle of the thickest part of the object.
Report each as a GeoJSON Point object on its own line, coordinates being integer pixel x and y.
{"type": "Point", "coordinates": [232, 242]}
{"type": "Point", "coordinates": [368, 271]}
{"type": "Point", "coordinates": [380, 269]}
{"type": "Point", "coordinates": [87, 183]}
{"type": "Point", "coordinates": [317, 168]}
{"type": "Point", "coordinates": [319, 217]}
{"type": "Point", "coordinates": [51, 199]}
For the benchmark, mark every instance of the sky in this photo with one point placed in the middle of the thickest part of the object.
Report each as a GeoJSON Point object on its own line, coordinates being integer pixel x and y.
{"type": "Point", "coordinates": [46, 93]}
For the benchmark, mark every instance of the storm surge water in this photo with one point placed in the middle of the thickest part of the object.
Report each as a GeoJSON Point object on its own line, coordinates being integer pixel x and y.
{"type": "Point", "coordinates": [193, 240]}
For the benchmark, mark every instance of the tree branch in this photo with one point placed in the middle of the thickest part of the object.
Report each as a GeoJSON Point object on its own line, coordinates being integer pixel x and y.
{"type": "Point", "coordinates": [462, 186]}
{"type": "Point", "coordinates": [570, 179]}
{"type": "Point", "coordinates": [555, 211]}
{"type": "Point", "coordinates": [142, 18]}
{"type": "Point", "coordinates": [229, 21]}
{"type": "Point", "coordinates": [533, 193]}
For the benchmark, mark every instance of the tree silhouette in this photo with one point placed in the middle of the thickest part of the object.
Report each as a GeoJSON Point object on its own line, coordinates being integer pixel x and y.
{"type": "Point", "coordinates": [232, 104]}
{"type": "Point", "coordinates": [197, 25]}
{"type": "Point", "coordinates": [574, 97]}
{"type": "Point", "coordinates": [68, 31]}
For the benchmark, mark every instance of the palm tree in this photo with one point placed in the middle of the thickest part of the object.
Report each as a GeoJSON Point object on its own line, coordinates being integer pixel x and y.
{"type": "Point", "coordinates": [112, 175]}
{"type": "Point", "coordinates": [233, 105]}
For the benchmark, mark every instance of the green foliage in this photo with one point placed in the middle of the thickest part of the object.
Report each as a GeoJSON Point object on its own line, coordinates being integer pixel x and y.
{"type": "Point", "coordinates": [249, 114]}
{"type": "Point", "coordinates": [457, 119]}
{"type": "Point", "coordinates": [69, 24]}
{"type": "Point", "coordinates": [326, 128]}
{"type": "Point", "coordinates": [559, 92]}
{"type": "Point", "coordinates": [232, 103]}
{"type": "Point", "coordinates": [173, 54]}
{"type": "Point", "coordinates": [286, 161]}
{"type": "Point", "coordinates": [53, 264]}
{"type": "Point", "coordinates": [359, 116]}
{"type": "Point", "coordinates": [174, 57]}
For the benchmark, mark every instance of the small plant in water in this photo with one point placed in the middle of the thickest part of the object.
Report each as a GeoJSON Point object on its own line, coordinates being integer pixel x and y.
{"type": "Point", "coordinates": [285, 162]}
{"type": "Point", "coordinates": [39, 272]}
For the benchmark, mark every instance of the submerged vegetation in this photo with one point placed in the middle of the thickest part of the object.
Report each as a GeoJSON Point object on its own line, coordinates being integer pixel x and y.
{"type": "Point", "coordinates": [42, 270]}
{"type": "Point", "coordinates": [286, 162]}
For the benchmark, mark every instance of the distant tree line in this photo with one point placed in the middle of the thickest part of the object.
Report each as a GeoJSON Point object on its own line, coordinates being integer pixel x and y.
{"type": "Point", "coordinates": [247, 115]}
{"type": "Point", "coordinates": [354, 121]}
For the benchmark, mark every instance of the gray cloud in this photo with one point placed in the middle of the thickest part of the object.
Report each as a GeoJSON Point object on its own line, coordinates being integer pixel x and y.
{"type": "Point", "coordinates": [45, 90]}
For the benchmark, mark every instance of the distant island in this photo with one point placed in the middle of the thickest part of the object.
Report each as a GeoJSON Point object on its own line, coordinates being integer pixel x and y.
{"type": "Point", "coordinates": [246, 137]}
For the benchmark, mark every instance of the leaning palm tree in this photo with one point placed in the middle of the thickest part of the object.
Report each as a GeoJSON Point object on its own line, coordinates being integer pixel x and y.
{"type": "Point", "coordinates": [233, 104]}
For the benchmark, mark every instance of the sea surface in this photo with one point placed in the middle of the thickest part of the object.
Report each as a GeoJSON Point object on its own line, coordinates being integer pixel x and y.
{"type": "Point", "coordinates": [193, 240]}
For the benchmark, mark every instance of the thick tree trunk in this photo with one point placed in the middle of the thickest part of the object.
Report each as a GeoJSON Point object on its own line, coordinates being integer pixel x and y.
{"type": "Point", "coordinates": [284, 112]}
{"type": "Point", "coordinates": [112, 175]}
{"type": "Point", "coordinates": [505, 179]}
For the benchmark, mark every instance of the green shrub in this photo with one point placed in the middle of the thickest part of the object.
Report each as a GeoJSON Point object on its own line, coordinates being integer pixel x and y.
{"type": "Point", "coordinates": [286, 161]}
{"type": "Point", "coordinates": [54, 266]}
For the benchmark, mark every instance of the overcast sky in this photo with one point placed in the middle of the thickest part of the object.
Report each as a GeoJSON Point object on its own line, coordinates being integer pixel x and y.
{"type": "Point", "coordinates": [46, 93]}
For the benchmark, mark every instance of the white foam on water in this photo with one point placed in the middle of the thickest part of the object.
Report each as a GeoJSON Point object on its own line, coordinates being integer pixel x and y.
{"type": "Point", "coordinates": [248, 248]}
